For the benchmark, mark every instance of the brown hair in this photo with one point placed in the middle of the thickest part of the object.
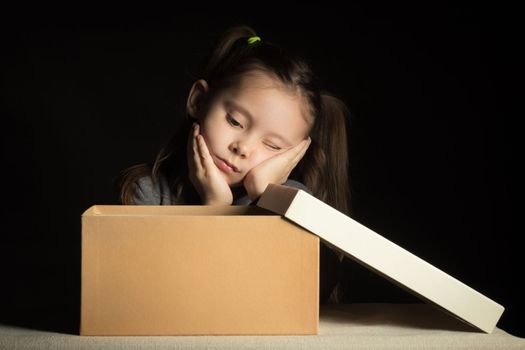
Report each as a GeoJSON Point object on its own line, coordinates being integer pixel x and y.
{"type": "Point", "coordinates": [323, 168]}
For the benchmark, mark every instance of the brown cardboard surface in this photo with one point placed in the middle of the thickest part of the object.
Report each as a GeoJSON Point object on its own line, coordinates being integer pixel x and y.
{"type": "Point", "coordinates": [197, 270]}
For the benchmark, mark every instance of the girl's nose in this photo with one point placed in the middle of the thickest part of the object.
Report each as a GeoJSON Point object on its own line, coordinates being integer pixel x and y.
{"type": "Point", "coordinates": [241, 148]}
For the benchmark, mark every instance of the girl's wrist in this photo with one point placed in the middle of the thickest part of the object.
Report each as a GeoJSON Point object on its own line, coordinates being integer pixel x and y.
{"type": "Point", "coordinates": [253, 193]}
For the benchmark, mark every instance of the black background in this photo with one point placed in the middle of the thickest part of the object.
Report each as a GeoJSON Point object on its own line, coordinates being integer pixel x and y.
{"type": "Point", "coordinates": [433, 136]}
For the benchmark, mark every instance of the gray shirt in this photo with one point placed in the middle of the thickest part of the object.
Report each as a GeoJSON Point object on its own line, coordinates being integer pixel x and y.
{"type": "Point", "coordinates": [159, 193]}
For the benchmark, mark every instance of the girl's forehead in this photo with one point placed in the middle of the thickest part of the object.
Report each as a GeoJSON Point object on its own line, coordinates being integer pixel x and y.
{"type": "Point", "coordinates": [265, 95]}
{"type": "Point", "coordinates": [256, 82]}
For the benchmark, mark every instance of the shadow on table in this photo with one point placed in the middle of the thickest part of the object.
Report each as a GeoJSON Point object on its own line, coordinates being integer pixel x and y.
{"type": "Point", "coordinates": [418, 316]}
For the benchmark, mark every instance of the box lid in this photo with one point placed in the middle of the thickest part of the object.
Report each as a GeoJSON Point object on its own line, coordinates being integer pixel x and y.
{"type": "Point", "coordinates": [382, 256]}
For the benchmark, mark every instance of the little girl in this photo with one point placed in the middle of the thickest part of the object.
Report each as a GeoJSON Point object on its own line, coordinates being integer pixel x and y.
{"type": "Point", "coordinates": [255, 116]}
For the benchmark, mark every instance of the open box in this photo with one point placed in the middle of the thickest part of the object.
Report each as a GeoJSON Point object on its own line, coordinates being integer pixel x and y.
{"type": "Point", "coordinates": [239, 270]}
{"type": "Point", "coordinates": [197, 270]}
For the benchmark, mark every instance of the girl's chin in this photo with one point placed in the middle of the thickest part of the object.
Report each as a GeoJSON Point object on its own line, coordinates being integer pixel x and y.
{"type": "Point", "coordinates": [237, 186]}
{"type": "Point", "coordinates": [234, 183]}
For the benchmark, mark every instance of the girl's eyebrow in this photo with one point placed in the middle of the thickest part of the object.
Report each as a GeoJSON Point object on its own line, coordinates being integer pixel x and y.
{"type": "Point", "coordinates": [234, 105]}
{"type": "Point", "coordinates": [244, 111]}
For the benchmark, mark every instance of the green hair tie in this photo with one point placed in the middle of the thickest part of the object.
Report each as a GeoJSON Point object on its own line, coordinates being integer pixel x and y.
{"type": "Point", "coordinates": [253, 39]}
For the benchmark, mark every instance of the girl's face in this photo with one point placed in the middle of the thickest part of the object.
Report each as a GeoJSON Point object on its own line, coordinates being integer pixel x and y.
{"type": "Point", "coordinates": [250, 123]}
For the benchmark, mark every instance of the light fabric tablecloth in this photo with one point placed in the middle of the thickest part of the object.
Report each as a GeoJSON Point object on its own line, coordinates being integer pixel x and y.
{"type": "Point", "coordinates": [341, 326]}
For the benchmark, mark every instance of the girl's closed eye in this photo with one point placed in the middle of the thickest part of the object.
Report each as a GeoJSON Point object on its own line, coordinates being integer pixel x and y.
{"type": "Point", "coordinates": [274, 147]}
{"type": "Point", "coordinates": [232, 121]}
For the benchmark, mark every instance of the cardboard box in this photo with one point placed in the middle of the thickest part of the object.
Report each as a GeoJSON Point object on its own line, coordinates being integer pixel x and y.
{"type": "Point", "coordinates": [197, 270]}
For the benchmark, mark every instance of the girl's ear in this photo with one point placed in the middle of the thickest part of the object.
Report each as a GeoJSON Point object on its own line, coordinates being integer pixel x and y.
{"type": "Point", "coordinates": [196, 97]}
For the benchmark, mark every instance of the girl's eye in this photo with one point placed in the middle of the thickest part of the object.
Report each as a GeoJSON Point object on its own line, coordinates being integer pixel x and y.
{"type": "Point", "coordinates": [274, 147]}
{"type": "Point", "coordinates": [233, 121]}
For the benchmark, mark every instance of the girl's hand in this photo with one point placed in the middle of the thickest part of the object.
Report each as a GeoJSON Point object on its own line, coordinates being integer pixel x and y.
{"type": "Point", "coordinates": [204, 174]}
{"type": "Point", "coordinates": [274, 170]}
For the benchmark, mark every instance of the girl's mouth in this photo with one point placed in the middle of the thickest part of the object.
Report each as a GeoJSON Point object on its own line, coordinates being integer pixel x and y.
{"type": "Point", "coordinates": [224, 166]}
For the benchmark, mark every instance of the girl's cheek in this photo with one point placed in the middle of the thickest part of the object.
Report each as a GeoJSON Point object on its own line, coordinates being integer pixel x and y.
{"type": "Point", "coordinates": [261, 157]}
{"type": "Point", "coordinates": [266, 154]}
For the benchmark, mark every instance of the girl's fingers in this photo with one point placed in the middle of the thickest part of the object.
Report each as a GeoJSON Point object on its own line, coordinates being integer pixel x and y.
{"type": "Point", "coordinates": [191, 138]}
{"type": "Point", "coordinates": [204, 152]}
{"type": "Point", "coordinates": [190, 147]}
{"type": "Point", "coordinates": [295, 154]}
{"type": "Point", "coordinates": [302, 148]}
{"type": "Point", "coordinates": [196, 149]}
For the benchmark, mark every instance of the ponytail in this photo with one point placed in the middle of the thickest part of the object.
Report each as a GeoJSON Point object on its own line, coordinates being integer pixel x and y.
{"type": "Point", "coordinates": [325, 166]}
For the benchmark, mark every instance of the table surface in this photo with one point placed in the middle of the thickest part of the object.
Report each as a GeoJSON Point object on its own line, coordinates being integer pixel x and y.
{"type": "Point", "coordinates": [341, 326]}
